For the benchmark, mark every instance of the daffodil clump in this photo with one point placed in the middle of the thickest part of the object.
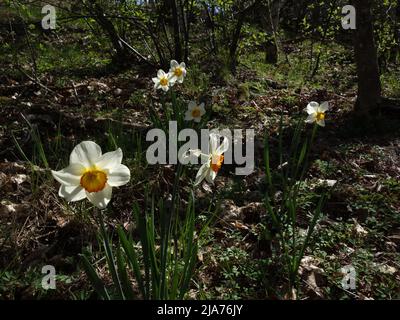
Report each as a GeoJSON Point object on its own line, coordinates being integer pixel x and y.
{"type": "Point", "coordinates": [91, 174]}
{"type": "Point", "coordinates": [212, 162]}
{"type": "Point", "coordinates": [208, 171]}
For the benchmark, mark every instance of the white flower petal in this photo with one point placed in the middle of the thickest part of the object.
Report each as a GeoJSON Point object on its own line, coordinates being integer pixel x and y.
{"type": "Point", "coordinates": [312, 107]}
{"type": "Point", "coordinates": [85, 153]}
{"type": "Point", "coordinates": [174, 64]}
{"type": "Point", "coordinates": [201, 174]}
{"type": "Point", "coordinates": [205, 158]}
{"type": "Point", "coordinates": [119, 176]}
{"type": "Point", "coordinates": [321, 123]}
{"type": "Point", "coordinates": [72, 193]}
{"type": "Point", "coordinates": [156, 80]}
{"type": "Point", "coordinates": [160, 74]}
{"type": "Point", "coordinates": [324, 107]}
{"type": "Point", "coordinates": [224, 146]}
{"type": "Point", "coordinates": [188, 115]}
{"type": "Point", "coordinates": [183, 65]}
{"type": "Point", "coordinates": [197, 119]}
{"type": "Point", "coordinates": [102, 198]}
{"type": "Point", "coordinates": [192, 105]}
{"type": "Point", "coordinates": [202, 109]}
{"type": "Point", "coordinates": [70, 176]}
{"type": "Point", "coordinates": [171, 78]}
{"type": "Point", "coordinates": [211, 176]}
{"type": "Point", "coordinates": [214, 141]}
{"type": "Point", "coordinates": [196, 152]}
{"type": "Point", "coordinates": [311, 118]}
{"type": "Point", "coordinates": [110, 160]}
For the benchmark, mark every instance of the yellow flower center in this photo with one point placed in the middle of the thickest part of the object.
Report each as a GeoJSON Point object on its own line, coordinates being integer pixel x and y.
{"type": "Point", "coordinates": [178, 72]}
{"type": "Point", "coordinates": [164, 82]}
{"type": "Point", "coordinates": [320, 116]}
{"type": "Point", "coordinates": [196, 113]}
{"type": "Point", "coordinates": [94, 180]}
{"type": "Point", "coordinates": [216, 164]}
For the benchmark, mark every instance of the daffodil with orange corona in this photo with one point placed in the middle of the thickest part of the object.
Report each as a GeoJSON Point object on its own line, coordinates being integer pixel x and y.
{"type": "Point", "coordinates": [92, 174]}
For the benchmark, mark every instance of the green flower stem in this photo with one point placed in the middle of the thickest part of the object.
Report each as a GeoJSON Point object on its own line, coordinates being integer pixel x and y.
{"type": "Point", "coordinates": [108, 250]}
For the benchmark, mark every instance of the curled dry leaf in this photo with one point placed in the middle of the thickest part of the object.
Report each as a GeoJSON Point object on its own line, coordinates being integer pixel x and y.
{"type": "Point", "coordinates": [359, 230]}
{"type": "Point", "coordinates": [312, 274]}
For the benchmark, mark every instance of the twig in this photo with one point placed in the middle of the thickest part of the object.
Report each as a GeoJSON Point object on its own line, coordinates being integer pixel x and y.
{"type": "Point", "coordinates": [38, 82]}
{"type": "Point", "coordinates": [136, 53]}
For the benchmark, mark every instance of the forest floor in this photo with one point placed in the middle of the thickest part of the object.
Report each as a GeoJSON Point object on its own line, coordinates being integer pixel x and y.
{"type": "Point", "coordinates": [77, 96]}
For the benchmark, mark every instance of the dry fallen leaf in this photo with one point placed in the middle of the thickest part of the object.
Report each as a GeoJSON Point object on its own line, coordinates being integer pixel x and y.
{"type": "Point", "coordinates": [384, 268]}
{"type": "Point", "coordinates": [312, 274]}
{"type": "Point", "coordinates": [358, 229]}
{"type": "Point", "coordinates": [19, 178]}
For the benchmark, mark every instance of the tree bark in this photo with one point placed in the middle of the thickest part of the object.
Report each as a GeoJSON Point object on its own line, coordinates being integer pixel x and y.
{"type": "Point", "coordinates": [271, 21]}
{"type": "Point", "coordinates": [177, 31]}
{"type": "Point", "coordinates": [210, 26]}
{"type": "Point", "coordinates": [241, 15]}
{"type": "Point", "coordinates": [235, 42]}
{"type": "Point", "coordinates": [121, 52]}
{"type": "Point", "coordinates": [369, 85]}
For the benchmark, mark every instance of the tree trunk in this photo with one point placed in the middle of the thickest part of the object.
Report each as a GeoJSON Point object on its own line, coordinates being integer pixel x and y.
{"type": "Point", "coordinates": [271, 22]}
{"type": "Point", "coordinates": [235, 42]}
{"type": "Point", "coordinates": [121, 52]}
{"type": "Point", "coordinates": [369, 85]}
{"type": "Point", "coordinates": [210, 26]}
{"type": "Point", "coordinates": [177, 31]}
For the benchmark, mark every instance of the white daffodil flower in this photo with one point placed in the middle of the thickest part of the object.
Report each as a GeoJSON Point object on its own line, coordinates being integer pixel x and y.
{"type": "Point", "coordinates": [212, 161]}
{"type": "Point", "coordinates": [91, 174]}
{"type": "Point", "coordinates": [316, 112]}
{"type": "Point", "coordinates": [178, 71]}
{"type": "Point", "coordinates": [195, 111]}
{"type": "Point", "coordinates": [163, 80]}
